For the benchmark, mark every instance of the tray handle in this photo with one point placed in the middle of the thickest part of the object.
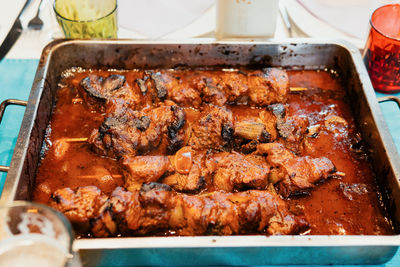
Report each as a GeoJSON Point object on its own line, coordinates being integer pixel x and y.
{"type": "Point", "coordinates": [389, 98]}
{"type": "Point", "coordinates": [3, 106]}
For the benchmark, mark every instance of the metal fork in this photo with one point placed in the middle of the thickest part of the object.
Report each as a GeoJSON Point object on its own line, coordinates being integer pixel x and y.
{"type": "Point", "coordinates": [36, 23]}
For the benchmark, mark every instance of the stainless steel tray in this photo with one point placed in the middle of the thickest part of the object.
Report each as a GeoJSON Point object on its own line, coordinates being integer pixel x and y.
{"type": "Point", "coordinates": [216, 250]}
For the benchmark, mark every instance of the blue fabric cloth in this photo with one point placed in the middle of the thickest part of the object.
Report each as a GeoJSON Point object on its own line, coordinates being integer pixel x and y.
{"type": "Point", "coordinates": [16, 78]}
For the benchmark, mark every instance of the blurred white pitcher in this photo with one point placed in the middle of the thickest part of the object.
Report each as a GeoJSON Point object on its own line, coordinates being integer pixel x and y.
{"type": "Point", "coordinates": [253, 19]}
{"type": "Point", "coordinates": [33, 235]}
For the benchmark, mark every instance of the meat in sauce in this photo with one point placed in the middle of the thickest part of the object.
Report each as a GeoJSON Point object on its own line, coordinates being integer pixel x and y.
{"type": "Point", "coordinates": [207, 151]}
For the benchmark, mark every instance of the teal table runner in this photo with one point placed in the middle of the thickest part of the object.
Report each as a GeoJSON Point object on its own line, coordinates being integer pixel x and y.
{"type": "Point", "coordinates": [16, 78]}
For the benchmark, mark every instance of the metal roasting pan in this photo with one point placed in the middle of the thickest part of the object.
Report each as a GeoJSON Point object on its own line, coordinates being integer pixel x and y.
{"type": "Point", "coordinates": [216, 250]}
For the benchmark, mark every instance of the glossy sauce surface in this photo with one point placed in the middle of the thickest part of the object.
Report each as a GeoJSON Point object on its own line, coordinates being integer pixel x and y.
{"type": "Point", "coordinates": [346, 205]}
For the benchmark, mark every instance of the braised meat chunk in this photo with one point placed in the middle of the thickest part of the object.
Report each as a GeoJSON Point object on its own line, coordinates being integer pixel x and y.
{"type": "Point", "coordinates": [233, 171]}
{"type": "Point", "coordinates": [294, 175]}
{"type": "Point", "coordinates": [259, 88]}
{"type": "Point", "coordinates": [268, 86]}
{"type": "Point", "coordinates": [111, 93]}
{"type": "Point", "coordinates": [214, 129]}
{"type": "Point", "coordinates": [183, 171]}
{"type": "Point", "coordinates": [103, 89]}
{"type": "Point", "coordinates": [144, 169]}
{"type": "Point", "coordinates": [132, 132]}
{"type": "Point", "coordinates": [79, 206]}
{"type": "Point", "coordinates": [189, 171]}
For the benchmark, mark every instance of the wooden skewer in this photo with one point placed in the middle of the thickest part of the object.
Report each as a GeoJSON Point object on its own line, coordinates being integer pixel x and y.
{"type": "Point", "coordinates": [116, 176]}
{"type": "Point", "coordinates": [298, 89]}
{"type": "Point", "coordinates": [76, 140]}
{"type": "Point", "coordinates": [77, 100]}
{"type": "Point", "coordinates": [341, 174]}
{"type": "Point", "coordinates": [62, 145]}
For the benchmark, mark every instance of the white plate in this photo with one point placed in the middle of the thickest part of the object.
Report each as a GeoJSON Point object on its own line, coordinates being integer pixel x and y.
{"type": "Point", "coordinates": [8, 14]}
{"type": "Point", "coordinates": [314, 27]}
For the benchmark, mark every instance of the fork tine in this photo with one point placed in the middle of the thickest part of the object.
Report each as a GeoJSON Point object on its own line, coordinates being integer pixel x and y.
{"type": "Point", "coordinates": [36, 23]}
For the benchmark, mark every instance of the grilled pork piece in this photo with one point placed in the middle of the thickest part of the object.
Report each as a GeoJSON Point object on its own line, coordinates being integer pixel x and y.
{"type": "Point", "coordinates": [104, 88]}
{"type": "Point", "coordinates": [232, 171]}
{"type": "Point", "coordinates": [80, 205]}
{"type": "Point", "coordinates": [291, 129]}
{"type": "Point", "coordinates": [183, 171]}
{"type": "Point", "coordinates": [258, 88]}
{"type": "Point", "coordinates": [189, 173]}
{"type": "Point", "coordinates": [157, 208]}
{"type": "Point", "coordinates": [214, 129]}
{"type": "Point", "coordinates": [136, 132]}
{"type": "Point", "coordinates": [294, 175]}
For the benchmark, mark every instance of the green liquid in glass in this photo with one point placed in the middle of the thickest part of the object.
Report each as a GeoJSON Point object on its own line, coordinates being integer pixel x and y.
{"type": "Point", "coordinates": [88, 21]}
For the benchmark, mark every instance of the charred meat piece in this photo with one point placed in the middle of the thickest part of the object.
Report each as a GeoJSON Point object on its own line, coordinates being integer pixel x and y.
{"type": "Point", "coordinates": [144, 169]}
{"type": "Point", "coordinates": [102, 88]}
{"type": "Point", "coordinates": [159, 84]}
{"type": "Point", "coordinates": [111, 94]}
{"type": "Point", "coordinates": [157, 208]}
{"type": "Point", "coordinates": [261, 128]}
{"type": "Point", "coordinates": [214, 129]}
{"type": "Point", "coordinates": [259, 88]}
{"type": "Point", "coordinates": [179, 89]}
{"type": "Point", "coordinates": [268, 86]}
{"type": "Point", "coordinates": [174, 130]}
{"type": "Point", "coordinates": [79, 206]}
{"type": "Point", "coordinates": [183, 171]}
{"type": "Point", "coordinates": [142, 85]}
{"type": "Point", "coordinates": [142, 123]}
{"type": "Point", "coordinates": [189, 172]}
{"type": "Point", "coordinates": [233, 171]}
{"type": "Point", "coordinates": [154, 84]}
{"type": "Point", "coordinates": [131, 132]}
{"type": "Point", "coordinates": [272, 124]}
{"type": "Point", "coordinates": [291, 129]}
{"type": "Point", "coordinates": [212, 91]}
{"type": "Point", "coordinates": [294, 175]}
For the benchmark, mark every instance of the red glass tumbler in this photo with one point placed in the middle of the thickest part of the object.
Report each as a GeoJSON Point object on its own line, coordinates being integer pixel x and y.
{"type": "Point", "coordinates": [382, 50]}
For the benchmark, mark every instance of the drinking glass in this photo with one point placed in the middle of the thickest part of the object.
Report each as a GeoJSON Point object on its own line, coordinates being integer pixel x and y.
{"type": "Point", "coordinates": [382, 50]}
{"type": "Point", "coordinates": [249, 19]}
{"type": "Point", "coordinates": [34, 235]}
{"type": "Point", "coordinates": [87, 19]}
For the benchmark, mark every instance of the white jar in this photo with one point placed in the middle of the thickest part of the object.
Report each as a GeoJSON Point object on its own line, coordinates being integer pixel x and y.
{"type": "Point", "coordinates": [246, 18]}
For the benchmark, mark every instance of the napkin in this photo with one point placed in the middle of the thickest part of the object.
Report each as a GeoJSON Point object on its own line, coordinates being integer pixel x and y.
{"type": "Point", "coordinates": [349, 16]}
{"type": "Point", "coordinates": [156, 18]}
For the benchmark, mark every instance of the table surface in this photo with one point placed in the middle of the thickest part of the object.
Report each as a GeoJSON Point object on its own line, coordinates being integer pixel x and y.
{"type": "Point", "coordinates": [18, 70]}
{"type": "Point", "coordinates": [16, 81]}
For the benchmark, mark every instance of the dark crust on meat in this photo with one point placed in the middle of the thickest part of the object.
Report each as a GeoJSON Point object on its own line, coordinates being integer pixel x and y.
{"type": "Point", "coordinates": [100, 88]}
{"type": "Point", "coordinates": [142, 123]}
{"type": "Point", "coordinates": [142, 85]}
{"type": "Point", "coordinates": [158, 84]}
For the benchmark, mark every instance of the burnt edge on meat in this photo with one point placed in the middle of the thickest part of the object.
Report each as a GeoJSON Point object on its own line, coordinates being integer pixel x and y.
{"type": "Point", "coordinates": [102, 88]}
{"type": "Point", "coordinates": [174, 142]}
